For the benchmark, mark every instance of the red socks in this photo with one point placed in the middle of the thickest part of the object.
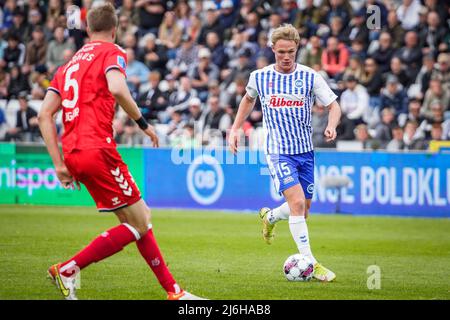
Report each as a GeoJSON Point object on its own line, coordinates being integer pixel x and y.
{"type": "Point", "coordinates": [150, 251]}
{"type": "Point", "coordinates": [105, 245]}
{"type": "Point", "coordinates": [111, 242]}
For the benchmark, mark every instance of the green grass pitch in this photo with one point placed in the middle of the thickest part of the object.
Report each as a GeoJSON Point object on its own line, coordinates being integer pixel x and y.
{"type": "Point", "coordinates": [222, 255]}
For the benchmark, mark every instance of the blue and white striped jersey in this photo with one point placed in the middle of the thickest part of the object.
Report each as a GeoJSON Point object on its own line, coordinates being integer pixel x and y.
{"type": "Point", "coordinates": [287, 101]}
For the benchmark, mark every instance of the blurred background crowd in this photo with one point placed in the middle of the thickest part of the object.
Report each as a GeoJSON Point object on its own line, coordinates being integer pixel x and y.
{"type": "Point", "coordinates": [189, 63]}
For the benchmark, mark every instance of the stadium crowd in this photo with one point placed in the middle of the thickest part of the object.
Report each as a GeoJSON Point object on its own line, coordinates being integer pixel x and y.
{"type": "Point", "coordinates": [189, 62]}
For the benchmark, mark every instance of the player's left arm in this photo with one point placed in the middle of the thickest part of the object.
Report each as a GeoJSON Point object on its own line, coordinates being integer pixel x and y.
{"type": "Point", "coordinates": [334, 116]}
{"type": "Point", "coordinates": [325, 96]}
{"type": "Point", "coordinates": [117, 85]}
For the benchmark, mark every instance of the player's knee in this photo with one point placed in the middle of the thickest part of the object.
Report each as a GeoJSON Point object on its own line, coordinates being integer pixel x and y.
{"type": "Point", "coordinates": [142, 229]}
{"type": "Point", "coordinates": [298, 206]}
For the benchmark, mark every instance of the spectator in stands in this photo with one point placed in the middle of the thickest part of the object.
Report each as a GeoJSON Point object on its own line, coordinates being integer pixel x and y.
{"type": "Point", "coordinates": [402, 73]}
{"type": "Point", "coordinates": [357, 28]}
{"type": "Point", "coordinates": [14, 53]}
{"type": "Point", "coordinates": [40, 81]}
{"type": "Point", "coordinates": [436, 134]}
{"type": "Point", "coordinates": [212, 23]}
{"type": "Point", "coordinates": [395, 29]}
{"type": "Point", "coordinates": [408, 14]}
{"type": "Point", "coordinates": [218, 55]}
{"type": "Point", "coordinates": [424, 76]}
{"type": "Point", "coordinates": [413, 138]}
{"type": "Point", "coordinates": [228, 15]}
{"type": "Point", "coordinates": [216, 120]}
{"type": "Point", "coordinates": [202, 73]}
{"type": "Point", "coordinates": [354, 100]}
{"type": "Point", "coordinates": [362, 135]}
{"type": "Point", "coordinates": [252, 27]}
{"type": "Point", "coordinates": [154, 102]}
{"type": "Point", "coordinates": [319, 121]}
{"type": "Point", "coordinates": [338, 8]}
{"type": "Point", "coordinates": [336, 30]}
{"type": "Point", "coordinates": [179, 100]}
{"type": "Point", "coordinates": [20, 26]}
{"type": "Point", "coordinates": [175, 126]}
{"type": "Point", "coordinates": [354, 68]}
{"type": "Point", "coordinates": [18, 82]}
{"type": "Point", "coordinates": [27, 128]}
{"type": "Point", "coordinates": [36, 53]}
{"type": "Point", "coordinates": [396, 143]}
{"type": "Point", "coordinates": [411, 53]}
{"type": "Point", "coordinates": [242, 69]}
{"type": "Point", "coordinates": [170, 33]}
{"type": "Point", "coordinates": [263, 49]}
{"type": "Point", "coordinates": [383, 131]}
{"type": "Point", "coordinates": [34, 19]}
{"type": "Point", "coordinates": [393, 95]}
{"type": "Point", "coordinates": [125, 27]}
{"type": "Point", "coordinates": [183, 14]}
{"type": "Point", "coordinates": [130, 41]}
{"type": "Point", "coordinates": [235, 46]}
{"type": "Point", "coordinates": [373, 81]}
{"type": "Point", "coordinates": [288, 11]}
{"type": "Point", "coordinates": [130, 135]}
{"type": "Point", "coordinates": [437, 117]}
{"type": "Point", "coordinates": [236, 96]}
{"type": "Point", "coordinates": [442, 70]}
{"type": "Point", "coordinates": [153, 55]}
{"type": "Point", "coordinates": [413, 114]}
{"type": "Point", "coordinates": [55, 9]}
{"type": "Point", "coordinates": [186, 57]}
{"type": "Point", "coordinates": [128, 9]}
{"type": "Point", "coordinates": [435, 93]}
{"type": "Point", "coordinates": [311, 54]}
{"type": "Point", "coordinates": [446, 130]}
{"type": "Point", "coordinates": [8, 12]}
{"type": "Point", "coordinates": [196, 116]}
{"type": "Point", "coordinates": [307, 20]}
{"type": "Point", "coordinates": [137, 73]}
{"type": "Point", "coordinates": [334, 57]}
{"type": "Point", "coordinates": [384, 53]}
{"type": "Point", "coordinates": [56, 48]}
{"type": "Point", "coordinates": [4, 78]}
{"type": "Point", "coordinates": [151, 14]}
{"type": "Point", "coordinates": [433, 34]}
{"type": "Point", "coordinates": [195, 27]}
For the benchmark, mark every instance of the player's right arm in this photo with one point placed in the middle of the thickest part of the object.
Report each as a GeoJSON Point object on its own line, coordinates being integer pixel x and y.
{"type": "Point", "coordinates": [245, 108]}
{"type": "Point", "coordinates": [46, 119]}
{"type": "Point", "coordinates": [117, 85]}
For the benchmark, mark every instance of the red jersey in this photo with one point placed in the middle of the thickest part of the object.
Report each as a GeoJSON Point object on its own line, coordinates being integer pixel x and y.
{"type": "Point", "coordinates": [88, 106]}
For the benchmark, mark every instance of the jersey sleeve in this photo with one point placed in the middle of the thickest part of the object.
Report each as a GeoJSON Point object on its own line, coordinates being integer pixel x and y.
{"type": "Point", "coordinates": [325, 96]}
{"type": "Point", "coordinates": [251, 86]}
{"type": "Point", "coordinates": [55, 83]}
{"type": "Point", "coordinates": [115, 59]}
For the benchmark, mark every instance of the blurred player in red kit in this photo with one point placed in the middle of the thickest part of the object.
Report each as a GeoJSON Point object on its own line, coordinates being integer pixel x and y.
{"type": "Point", "coordinates": [87, 88]}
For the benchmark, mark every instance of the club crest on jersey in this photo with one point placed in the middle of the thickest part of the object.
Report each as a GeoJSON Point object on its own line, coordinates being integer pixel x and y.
{"type": "Point", "coordinates": [298, 83]}
{"type": "Point", "coordinates": [276, 102]}
{"type": "Point", "coordinates": [121, 62]}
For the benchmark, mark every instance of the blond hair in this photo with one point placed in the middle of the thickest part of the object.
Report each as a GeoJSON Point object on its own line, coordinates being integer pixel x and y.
{"type": "Point", "coordinates": [102, 18]}
{"type": "Point", "coordinates": [285, 32]}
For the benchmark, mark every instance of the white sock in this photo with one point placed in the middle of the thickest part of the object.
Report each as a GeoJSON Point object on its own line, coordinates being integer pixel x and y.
{"type": "Point", "coordinates": [280, 213]}
{"type": "Point", "coordinates": [299, 231]}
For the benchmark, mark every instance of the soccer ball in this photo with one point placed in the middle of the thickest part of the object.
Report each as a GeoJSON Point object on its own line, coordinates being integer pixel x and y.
{"type": "Point", "coordinates": [298, 268]}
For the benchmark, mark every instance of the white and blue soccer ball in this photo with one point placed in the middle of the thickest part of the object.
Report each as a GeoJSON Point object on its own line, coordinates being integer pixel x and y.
{"type": "Point", "coordinates": [298, 267]}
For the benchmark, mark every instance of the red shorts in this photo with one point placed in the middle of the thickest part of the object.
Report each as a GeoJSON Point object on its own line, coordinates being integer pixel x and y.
{"type": "Point", "coordinates": [106, 177]}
